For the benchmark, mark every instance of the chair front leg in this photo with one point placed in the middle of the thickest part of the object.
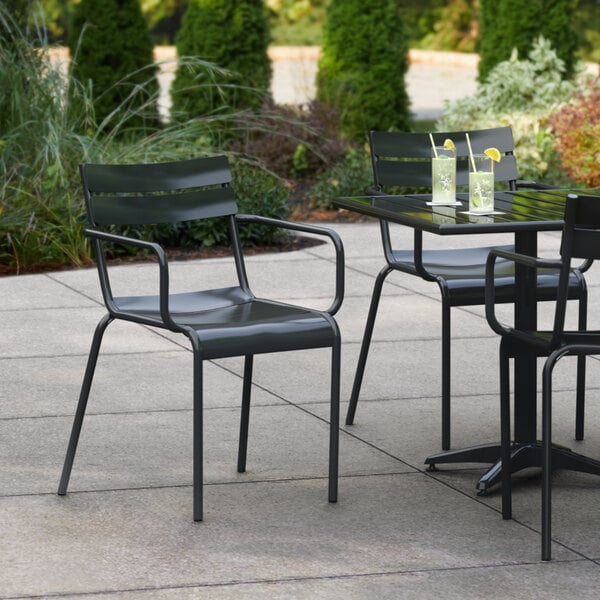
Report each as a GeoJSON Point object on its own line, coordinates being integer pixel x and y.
{"type": "Point", "coordinates": [547, 455]}
{"type": "Point", "coordinates": [364, 348]}
{"type": "Point", "coordinates": [580, 397]}
{"type": "Point", "coordinates": [198, 444]}
{"type": "Point", "coordinates": [334, 420]}
{"type": "Point", "coordinates": [82, 404]}
{"type": "Point", "coordinates": [505, 445]}
{"type": "Point", "coordinates": [446, 374]}
{"type": "Point", "coordinates": [245, 414]}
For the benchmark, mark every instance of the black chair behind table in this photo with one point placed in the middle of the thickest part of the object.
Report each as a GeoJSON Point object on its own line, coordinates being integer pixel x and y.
{"type": "Point", "coordinates": [580, 240]}
{"type": "Point", "coordinates": [402, 159]}
{"type": "Point", "coordinates": [224, 322]}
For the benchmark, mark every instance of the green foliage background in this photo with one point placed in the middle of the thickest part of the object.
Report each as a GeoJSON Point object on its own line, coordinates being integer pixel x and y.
{"type": "Point", "coordinates": [509, 24]}
{"type": "Point", "coordinates": [363, 64]}
{"type": "Point", "coordinates": [234, 35]}
{"type": "Point", "coordinates": [112, 48]}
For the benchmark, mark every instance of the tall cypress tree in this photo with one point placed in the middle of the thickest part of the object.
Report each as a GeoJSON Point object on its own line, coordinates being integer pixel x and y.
{"type": "Point", "coordinates": [363, 65]}
{"type": "Point", "coordinates": [111, 46]}
{"type": "Point", "coordinates": [509, 24]}
{"type": "Point", "coordinates": [234, 35]}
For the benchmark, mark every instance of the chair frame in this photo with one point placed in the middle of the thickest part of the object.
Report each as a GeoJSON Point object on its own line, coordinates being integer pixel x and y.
{"type": "Point", "coordinates": [211, 172]}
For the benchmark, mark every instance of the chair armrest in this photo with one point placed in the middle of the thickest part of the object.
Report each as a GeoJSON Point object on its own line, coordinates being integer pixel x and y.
{"type": "Point", "coordinates": [490, 291]}
{"type": "Point", "coordinates": [163, 266]}
{"type": "Point", "coordinates": [303, 227]}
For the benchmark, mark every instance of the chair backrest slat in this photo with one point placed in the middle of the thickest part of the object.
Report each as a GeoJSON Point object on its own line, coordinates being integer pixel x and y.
{"type": "Point", "coordinates": [159, 192]}
{"type": "Point", "coordinates": [163, 208]}
{"type": "Point", "coordinates": [404, 159]}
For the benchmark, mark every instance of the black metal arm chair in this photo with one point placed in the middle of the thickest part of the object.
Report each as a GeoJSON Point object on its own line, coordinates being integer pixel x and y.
{"type": "Point", "coordinates": [219, 323]}
{"type": "Point", "coordinates": [580, 240]}
{"type": "Point", "coordinates": [403, 159]}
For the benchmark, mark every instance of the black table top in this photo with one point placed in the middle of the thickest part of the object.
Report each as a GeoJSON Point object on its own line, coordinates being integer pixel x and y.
{"type": "Point", "coordinates": [523, 210]}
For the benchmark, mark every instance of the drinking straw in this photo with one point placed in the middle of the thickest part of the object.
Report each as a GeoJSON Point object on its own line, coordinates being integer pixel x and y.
{"type": "Point", "coordinates": [433, 146]}
{"type": "Point", "coordinates": [471, 153]}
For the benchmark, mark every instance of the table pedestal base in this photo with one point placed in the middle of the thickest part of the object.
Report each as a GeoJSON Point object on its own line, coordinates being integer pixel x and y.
{"type": "Point", "coordinates": [523, 456]}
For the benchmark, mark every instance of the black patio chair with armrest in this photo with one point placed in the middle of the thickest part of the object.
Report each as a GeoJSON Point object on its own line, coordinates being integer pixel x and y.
{"type": "Point", "coordinates": [403, 159]}
{"type": "Point", "coordinates": [230, 321]}
{"type": "Point", "coordinates": [580, 240]}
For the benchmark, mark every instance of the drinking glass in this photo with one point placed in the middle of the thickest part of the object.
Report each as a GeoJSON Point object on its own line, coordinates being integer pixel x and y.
{"type": "Point", "coordinates": [481, 185]}
{"type": "Point", "coordinates": [443, 176]}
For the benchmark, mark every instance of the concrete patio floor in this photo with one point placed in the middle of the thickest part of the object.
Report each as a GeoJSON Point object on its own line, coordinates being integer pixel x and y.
{"type": "Point", "coordinates": [125, 529]}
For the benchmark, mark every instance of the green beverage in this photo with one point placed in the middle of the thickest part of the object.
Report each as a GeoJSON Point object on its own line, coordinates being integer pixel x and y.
{"type": "Point", "coordinates": [481, 186]}
{"type": "Point", "coordinates": [443, 177]}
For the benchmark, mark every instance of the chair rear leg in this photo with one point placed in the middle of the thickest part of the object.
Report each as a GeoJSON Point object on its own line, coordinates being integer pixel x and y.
{"type": "Point", "coordinates": [245, 414]}
{"type": "Point", "coordinates": [505, 447]}
{"type": "Point", "coordinates": [547, 457]}
{"type": "Point", "coordinates": [334, 421]}
{"type": "Point", "coordinates": [82, 404]}
{"type": "Point", "coordinates": [364, 348]}
{"type": "Point", "coordinates": [198, 458]}
{"type": "Point", "coordinates": [446, 374]}
{"type": "Point", "coordinates": [580, 398]}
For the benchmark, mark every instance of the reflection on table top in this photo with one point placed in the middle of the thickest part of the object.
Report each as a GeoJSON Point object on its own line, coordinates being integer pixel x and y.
{"type": "Point", "coordinates": [539, 210]}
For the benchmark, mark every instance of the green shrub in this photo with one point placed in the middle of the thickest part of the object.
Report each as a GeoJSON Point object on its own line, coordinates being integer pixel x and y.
{"type": "Point", "coordinates": [349, 177]}
{"type": "Point", "coordinates": [234, 35]}
{"type": "Point", "coordinates": [38, 146]}
{"type": "Point", "coordinates": [509, 24]}
{"type": "Point", "coordinates": [111, 48]}
{"type": "Point", "coordinates": [297, 22]}
{"type": "Point", "coordinates": [455, 28]}
{"type": "Point", "coordinates": [294, 142]}
{"type": "Point", "coordinates": [577, 129]}
{"type": "Point", "coordinates": [42, 213]}
{"type": "Point", "coordinates": [522, 94]}
{"type": "Point", "coordinates": [363, 64]}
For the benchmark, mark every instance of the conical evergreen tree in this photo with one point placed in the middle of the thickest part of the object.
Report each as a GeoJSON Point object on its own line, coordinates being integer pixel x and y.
{"type": "Point", "coordinates": [509, 24]}
{"type": "Point", "coordinates": [362, 68]}
{"type": "Point", "coordinates": [110, 45]}
{"type": "Point", "coordinates": [234, 35]}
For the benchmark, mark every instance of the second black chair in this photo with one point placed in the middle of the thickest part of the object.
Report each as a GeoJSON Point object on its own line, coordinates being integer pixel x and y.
{"type": "Point", "coordinates": [581, 240]}
{"type": "Point", "coordinates": [403, 159]}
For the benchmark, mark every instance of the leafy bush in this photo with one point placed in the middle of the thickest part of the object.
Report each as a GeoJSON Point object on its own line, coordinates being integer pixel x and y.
{"type": "Point", "coordinates": [234, 35]}
{"type": "Point", "coordinates": [454, 27]}
{"type": "Point", "coordinates": [37, 146]}
{"type": "Point", "coordinates": [111, 48]}
{"type": "Point", "coordinates": [41, 205]}
{"type": "Point", "coordinates": [351, 176]}
{"type": "Point", "coordinates": [363, 64]}
{"type": "Point", "coordinates": [510, 24]}
{"type": "Point", "coordinates": [294, 142]}
{"type": "Point", "coordinates": [297, 22]}
{"type": "Point", "coordinates": [519, 93]}
{"type": "Point", "coordinates": [577, 129]}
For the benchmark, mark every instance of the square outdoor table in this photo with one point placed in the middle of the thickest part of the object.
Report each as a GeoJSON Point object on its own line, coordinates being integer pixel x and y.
{"type": "Point", "coordinates": [524, 213]}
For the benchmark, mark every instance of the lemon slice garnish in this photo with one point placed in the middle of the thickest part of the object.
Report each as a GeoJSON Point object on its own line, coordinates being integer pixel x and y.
{"type": "Point", "coordinates": [493, 153]}
{"type": "Point", "coordinates": [449, 145]}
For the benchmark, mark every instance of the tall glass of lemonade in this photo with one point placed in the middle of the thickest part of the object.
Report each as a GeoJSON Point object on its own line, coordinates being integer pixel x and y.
{"type": "Point", "coordinates": [481, 184]}
{"type": "Point", "coordinates": [443, 174]}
